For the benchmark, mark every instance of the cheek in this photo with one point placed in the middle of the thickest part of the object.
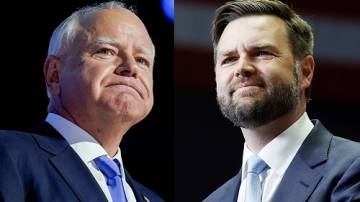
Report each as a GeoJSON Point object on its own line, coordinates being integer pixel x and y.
{"type": "Point", "coordinates": [223, 79]}
{"type": "Point", "coordinates": [150, 102]}
{"type": "Point", "coordinates": [148, 83]}
{"type": "Point", "coordinates": [93, 79]}
{"type": "Point", "coordinates": [71, 82]}
{"type": "Point", "coordinates": [277, 74]}
{"type": "Point", "coordinates": [219, 87]}
{"type": "Point", "coordinates": [148, 86]}
{"type": "Point", "coordinates": [279, 70]}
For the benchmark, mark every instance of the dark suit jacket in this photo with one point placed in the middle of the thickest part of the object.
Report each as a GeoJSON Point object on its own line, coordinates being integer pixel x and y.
{"type": "Point", "coordinates": [42, 167]}
{"type": "Point", "coordinates": [326, 168]}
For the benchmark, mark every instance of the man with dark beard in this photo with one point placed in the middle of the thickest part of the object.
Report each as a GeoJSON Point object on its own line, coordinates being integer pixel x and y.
{"type": "Point", "coordinates": [264, 68]}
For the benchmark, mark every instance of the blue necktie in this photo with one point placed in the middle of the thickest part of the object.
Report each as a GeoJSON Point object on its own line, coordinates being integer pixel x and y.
{"type": "Point", "coordinates": [255, 166]}
{"type": "Point", "coordinates": [111, 171]}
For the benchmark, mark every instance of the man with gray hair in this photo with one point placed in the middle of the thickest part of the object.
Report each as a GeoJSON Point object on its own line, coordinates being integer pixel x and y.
{"type": "Point", "coordinates": [98, 75]}
{"type": "Point", "coordinates": [264, 66]}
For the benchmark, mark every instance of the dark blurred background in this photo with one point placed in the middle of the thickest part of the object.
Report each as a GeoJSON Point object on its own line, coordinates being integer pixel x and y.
{"type": "Point", "coordinates": [147, 148]}
{"type": "Point", "coordinates": [208, 148]}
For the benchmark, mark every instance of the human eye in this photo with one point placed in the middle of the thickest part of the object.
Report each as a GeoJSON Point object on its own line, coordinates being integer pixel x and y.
{"type": "Point", "coordinates": [264, 54]}
{"type": "Point", "coordinates": [228, 60]}
{"type": "Point", "coordinates": [142, 61]}
{"type": "Point", "coordinates": [104, 53]}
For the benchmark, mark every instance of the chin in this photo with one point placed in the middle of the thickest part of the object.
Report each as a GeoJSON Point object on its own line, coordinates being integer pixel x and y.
{"type": "Point", "coordinates": [127, 107]}
{"type": "Point", "coordinates": [131, 112]}
{"type": "Point", "coordinates": [125, 116]}
{"type": "Point", "coordinates": [245, 101]}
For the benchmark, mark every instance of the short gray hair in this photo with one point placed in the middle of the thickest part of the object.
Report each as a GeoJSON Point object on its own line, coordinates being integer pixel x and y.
{"type": "Point", "coordinates": [64, 35]}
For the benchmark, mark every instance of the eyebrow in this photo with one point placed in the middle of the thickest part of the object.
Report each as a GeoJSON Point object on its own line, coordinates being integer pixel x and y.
{"type": "Point", "coordinates": [226, 52]}
{"type": "Point", "coordinates": [113, 42]}
{"type": "Point", "coordinates": [256, 46]}
{"type": "Point", "coordinates": [260, 46]}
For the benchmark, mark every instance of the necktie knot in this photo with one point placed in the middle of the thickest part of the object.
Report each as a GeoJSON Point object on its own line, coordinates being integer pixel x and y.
{"type": "Point", "coordinates": [111, 170]}
{"type": "Point", "coordinates": [108, 167]}
{"type": "Point", "coordinates": [256, 165]}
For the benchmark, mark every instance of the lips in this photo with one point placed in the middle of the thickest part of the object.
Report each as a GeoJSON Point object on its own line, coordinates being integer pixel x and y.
{"type": "Point", "coordinates": [244, 85]}
{"type": "Point", "coordinates": [247, 84]}
{"type": "Point", "coordinates": [128, 83]}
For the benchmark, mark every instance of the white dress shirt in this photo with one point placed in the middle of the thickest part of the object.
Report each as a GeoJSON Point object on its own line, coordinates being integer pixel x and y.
{"type": "Point", "coordinates": [278, 155]}
{"type": "Point", "coordinates": [88, 149]}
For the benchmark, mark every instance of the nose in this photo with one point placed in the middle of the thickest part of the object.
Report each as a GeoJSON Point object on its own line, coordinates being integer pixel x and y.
{"type": "Point", "coordinates": [127, 67]}
{"type": "Point", "coordinates": [244, 68]}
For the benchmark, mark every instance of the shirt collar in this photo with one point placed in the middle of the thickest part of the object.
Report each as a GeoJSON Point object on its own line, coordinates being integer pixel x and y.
{"type": "Point", "coordinates": [81, 141]}
{"type": "Point", "coordinates": [279, 152]}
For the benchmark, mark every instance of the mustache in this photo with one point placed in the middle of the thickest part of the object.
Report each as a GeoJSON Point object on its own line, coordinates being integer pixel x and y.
{"type": "Point", "coordinates": [243, 82]}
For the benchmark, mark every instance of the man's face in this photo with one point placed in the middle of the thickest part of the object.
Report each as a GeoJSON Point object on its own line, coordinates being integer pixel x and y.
{"type": "Point", "coordinates": [255, 71]}
{"type": "Point", "coordinates": [108, 75]}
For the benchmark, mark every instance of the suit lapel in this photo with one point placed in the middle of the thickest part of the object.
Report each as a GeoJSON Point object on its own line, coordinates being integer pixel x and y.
{"type": "Point", "coordinates": [298, 182]}
{"type": "Point", "coordinates": [228, 192]}
{"type": "Point", "coordinates": [137, 192]}
{"type": "Point", "coordinates": [300, 179]}
{"type": "Point", "coordinates": [77, 175]}
{"type": "Point", "coordinates": [231, 192]}
{"type": "Point", "coordinates": [68, 164]}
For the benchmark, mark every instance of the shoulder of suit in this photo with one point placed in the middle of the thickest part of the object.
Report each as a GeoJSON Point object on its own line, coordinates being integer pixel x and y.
{"type": "Point", "coordinates": [10, 138]}
{"type": "Point", "coordinates": [17, 147]}
{"type": "Point", "coordinates": [230, 187]}
{"type": "Point", "coordinates": [348, 148]}
{"type": "Point", "coordinates": [17, 143]}
{"type": "Point", "coordinates": [338, 146]}
{"type": "Point", "coordinates": [147, 194]}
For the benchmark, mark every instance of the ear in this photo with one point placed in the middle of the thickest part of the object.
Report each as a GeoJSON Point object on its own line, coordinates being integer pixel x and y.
{"type": "Point", "coordinates": [307, 71]}
{"type": "Point", "coordinates": [51, 72]}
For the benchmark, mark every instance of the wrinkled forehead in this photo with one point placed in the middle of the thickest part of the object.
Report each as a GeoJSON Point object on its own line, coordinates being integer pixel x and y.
{"type": "Point", "coordinates": [253, 29]}
{"type": "Point", "coordinates": [118, 24]}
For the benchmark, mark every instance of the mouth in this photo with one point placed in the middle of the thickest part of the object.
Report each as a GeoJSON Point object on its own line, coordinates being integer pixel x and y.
{"type": "Point", "coordinates": [127, 87]}
{"type": "Point", "coordinates": [246, 86]}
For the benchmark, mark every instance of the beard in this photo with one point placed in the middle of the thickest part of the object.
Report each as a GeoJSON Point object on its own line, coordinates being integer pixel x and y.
{"type": "Point", "coordinates": [278, 99]}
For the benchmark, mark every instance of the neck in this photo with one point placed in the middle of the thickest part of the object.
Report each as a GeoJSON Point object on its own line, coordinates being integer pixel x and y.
{"type": "Point", "coordinates": [109, 136]}
{"type": "Point", "coordinates": [258, 138]}
{"type": "Point", "coordinates": [107, 132]}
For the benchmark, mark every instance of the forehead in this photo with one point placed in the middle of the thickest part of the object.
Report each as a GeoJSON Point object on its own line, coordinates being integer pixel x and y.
{"type": "Point", "coordinates": [254, 29]}
{"type": "Point", "coordinates": [120, 25]}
